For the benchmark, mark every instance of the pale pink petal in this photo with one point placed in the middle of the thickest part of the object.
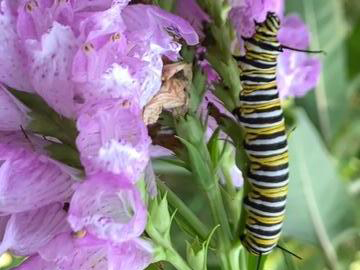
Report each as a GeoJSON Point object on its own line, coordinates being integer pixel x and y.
{"type": "Point", "coordinates": [190, 10]}
{"type": "Point", "coordinates": [113, 137]}
{"type": "Point", "coordinates": [150, 180]}
{"type": "Point", "coordinates": [104, 44]}
{"type": "Point", "coordinates": [136, 254]}
{"type": "Point", "coordinates": [294, 32]}
{"type": "Point", "coordinates": [3, 221]}
{"type": "Point", "coordinates": [114, 212]}
{"type": "Point", "coordinates": [29, 180]}
{"type": "Point", "coordinates": [13, 142]}
{"type": "Point", "coordinates": [156, 28]}
{"type": "Point", "coordinates": [51, 61]}
{"type": "Point", "coordinates": [245, 13]}
{"type": "Point", "coordinates": [13, 59]}
{"type": "Point", "coordinates": [91, 5]}
{"type": "Point", "coordinates": [12, 116]}
{"type": "Point", "coordinates": [34, 18]}
{"type": "Point", "coordinates": [27, 231]}
{"type": "Point", "coordinates": [38, 263]}
{"type": "Point", "coordinates": [59, 248]}
{"type": "Point", "coordinates": [298, 73]}
{"type": "Point", "coordinates": [236, 176]}
{"type": "Point", "coordinates": [87, 257]}
{"type": "Point", "coordinates": [71, 252]}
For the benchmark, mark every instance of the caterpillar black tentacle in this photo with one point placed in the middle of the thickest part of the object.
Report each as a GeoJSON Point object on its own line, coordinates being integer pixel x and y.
{"type": "Point", "coordinates": [261, 115]}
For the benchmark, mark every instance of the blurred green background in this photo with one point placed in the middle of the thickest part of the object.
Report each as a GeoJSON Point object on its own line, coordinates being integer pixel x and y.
{"type": "Point", "coordinates": [323, 217]}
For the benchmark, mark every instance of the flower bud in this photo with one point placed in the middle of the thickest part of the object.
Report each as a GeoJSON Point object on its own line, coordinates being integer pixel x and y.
{"type": "Point", "coordinates": [196, 255]}
{"type": "Point", "coordinates": [159, 223]}
{"type": "Point", "coordinates": [191, 129]}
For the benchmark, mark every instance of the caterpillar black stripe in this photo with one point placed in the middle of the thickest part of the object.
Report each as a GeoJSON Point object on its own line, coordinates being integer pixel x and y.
{"type": "Point", "coordinates": [261, 115]}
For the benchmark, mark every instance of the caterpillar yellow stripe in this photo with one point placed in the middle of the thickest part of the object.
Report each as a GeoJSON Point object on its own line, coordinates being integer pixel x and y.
{"type": "Point", "coordinates": [261, 116]}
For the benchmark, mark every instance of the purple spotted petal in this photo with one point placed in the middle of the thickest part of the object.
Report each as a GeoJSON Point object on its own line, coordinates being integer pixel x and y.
{"type": "Point", "coordinates": [27, 231]}
{"type": "Point", "coordinates": [51, 61]}
{"type": "Point", "coordinates": [114, 212]}
{"type": "Point", "coordinates": [27, 179]}
{"type": "Point", "coordinates": [113, 137]}
{"type": "Point", "coordinates": [12, 114]}
{"type": "Point", "coordinates": [135, 255]}
{"type": "Point", "coordinates": [13, 59]}
{"type": "Point", "coordinates": [156, 28]}
{"type": "Point", "coordinates": [36, 17]}
{"type": "Point", "coordinates": [104, 43]}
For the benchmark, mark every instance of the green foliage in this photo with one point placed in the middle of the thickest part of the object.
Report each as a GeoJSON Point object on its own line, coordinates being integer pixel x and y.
{"type": "Point", "coordinates": [48, 123]}
{"type": "Point", "coordinates": [168, 5]}
{"type": "Point", "coordinates": [44, 120]}
{"type": "Point", "coordinates": [317, 198]}
{"type": "Point", "coordinates": [327, 105]}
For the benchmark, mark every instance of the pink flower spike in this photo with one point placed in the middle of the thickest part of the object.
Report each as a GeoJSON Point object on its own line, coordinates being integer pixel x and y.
{"type": "Point", "coordinates": [114, 212]}
{"type": "Point", "coordinates": [28, 231]}
{"type": "Point", "coordinates": [51, 61]}
{"type": "Point", "coordinates": [113, 138]}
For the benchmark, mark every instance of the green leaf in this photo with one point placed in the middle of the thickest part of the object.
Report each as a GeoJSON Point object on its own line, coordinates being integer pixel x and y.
{"type": "Point", "coordinates": [327, 104]}
{"type": "Point", "coordinates": [319, 207]}
{"type": "Point", "coordinates": [64, 154]}
{"type": "Point", "coordinates": [168, 5]}
{"type": "Point", "coordinates": [353, 51]}
{"type": "Point", "coordinates": [44, 120]}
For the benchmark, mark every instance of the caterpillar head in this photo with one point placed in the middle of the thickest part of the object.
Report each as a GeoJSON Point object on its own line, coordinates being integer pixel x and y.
{"type": "Point", "coordinates": [273, 20]}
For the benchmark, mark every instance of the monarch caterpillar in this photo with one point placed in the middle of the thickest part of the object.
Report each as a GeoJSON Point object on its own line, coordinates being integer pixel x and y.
{"type": "Point", "coordinates": [265, 141]}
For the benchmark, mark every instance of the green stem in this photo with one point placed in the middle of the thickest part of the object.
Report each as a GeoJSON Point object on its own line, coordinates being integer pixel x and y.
{"type": "Point", "coordinates": [191, 219]}
{"type": "Point", "coordinates": [220, 217]}
{"type": "Point", "coordinates": [229, 185]}
{"type": "Point", "coordinates": [234, 203]}
{"type": "Point", "coordinates": [243, 259]}
{"type": "Point", "coordinates": [176, 260]}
